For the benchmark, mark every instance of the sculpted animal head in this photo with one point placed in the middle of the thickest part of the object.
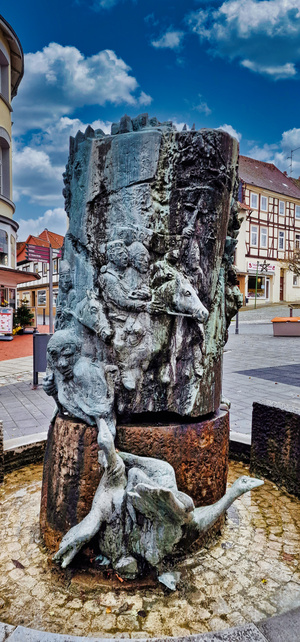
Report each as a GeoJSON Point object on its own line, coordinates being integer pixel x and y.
{"type": "Point", "coordinates": [244, 484]}
{"type": "Point", "coordinates": [175, 292]}
{"type": "Point", "coordinates": [91, 314]}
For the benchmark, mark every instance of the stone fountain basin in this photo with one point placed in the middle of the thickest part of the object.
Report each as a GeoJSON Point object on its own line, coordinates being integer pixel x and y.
{"type": "Point", "coordinates": [249, 573]}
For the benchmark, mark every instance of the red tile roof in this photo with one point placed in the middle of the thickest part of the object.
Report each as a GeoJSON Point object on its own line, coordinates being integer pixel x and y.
{"type": "Point", "coordinates": [266, 176]}
{"type": "Point", "coordinates": [43, 240]}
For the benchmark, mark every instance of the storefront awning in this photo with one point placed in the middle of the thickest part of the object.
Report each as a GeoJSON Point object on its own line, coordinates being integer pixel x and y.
{"type": "Point", "coordinates": [10, 278]}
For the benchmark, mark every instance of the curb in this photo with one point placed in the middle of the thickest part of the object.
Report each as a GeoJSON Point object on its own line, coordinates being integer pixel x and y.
{"type": "Point", "coordinates": [281, 628]}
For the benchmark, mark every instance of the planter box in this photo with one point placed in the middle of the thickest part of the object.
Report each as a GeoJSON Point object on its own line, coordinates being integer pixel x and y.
{"type": "Point", "coordinates": [286, 326]}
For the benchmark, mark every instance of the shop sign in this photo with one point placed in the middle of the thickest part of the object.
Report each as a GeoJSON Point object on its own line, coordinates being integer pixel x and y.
{"type": "Point", "coordinates": [37, 253]}
{"type": "Point", "coordinates": [6, 321]}
{"type": "Point", "coordinates": [263, 267]}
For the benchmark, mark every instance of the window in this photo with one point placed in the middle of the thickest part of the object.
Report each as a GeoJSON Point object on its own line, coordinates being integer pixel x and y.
{"type": "Point", "coordinates": [295, 279]}
{"type": "Point", "coordinates": [41, 298]}
{"type": "Point", "coordinates": [253, 235]}
{"type": "Point", "coordinates": [12, 251]}
{"type": "Point", "coordinates": [45, 269]}
{"type": "Point", "coordinates": [281, 241]}
{"type": "Point", "coordinates": [297, 211]}
{"type": "Point", "coordinates": [263, 287]}
{"type": "Point", "coordinates": [55, 295]}
{"type": "Point", "coordinates": [36, 268]}
{"type": "Point", "coordinates": [12, 297]}
{"type": "Point", "coordinates": [4, 163]}
{"type": "Point", "coordinates": [254, 201]}
{"type": "Point", "coordinates": [3, 247]}
{"type": "Point", "coordinates": [263, 203]}
{"type": "Point", "coordinates": [3, 74]}
{"type": "Point", "coordinates": [297, 241]}
{"type": "Point", "coordinates": [55, 266]}
{"type": "Point", "coordinates": [25, 298]}
{"type": "Point", "coordinates": [281, 208]}
{"type": "Point", "coordinates": [263, 237]}
{"type": "Point", "coordinates": [1, 173]}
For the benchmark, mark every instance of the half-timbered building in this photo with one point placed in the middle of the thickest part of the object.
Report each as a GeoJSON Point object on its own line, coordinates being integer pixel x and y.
{"type": "Point", "coordinates": [269, 203]}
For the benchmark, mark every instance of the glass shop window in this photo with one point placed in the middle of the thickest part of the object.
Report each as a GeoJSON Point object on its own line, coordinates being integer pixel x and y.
{"type": "Point", "coordinates": [261, 287]}
{"type": "Point", "coordinates": [25, 298]}
{"type": "Point", "coordinates": [12, 251]}
{"type": "Point", "coordinates": [41, 298]}
{"type": "Point", "coordinates": [3, 247]}
{"type": "Point", "coordinates": [12, 297]}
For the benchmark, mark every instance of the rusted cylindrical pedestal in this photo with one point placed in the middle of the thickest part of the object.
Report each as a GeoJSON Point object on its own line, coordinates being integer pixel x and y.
{"type": "Point", "coordinates": [70, 479]}
{"type": "Point", "coordinates": [198, 453]}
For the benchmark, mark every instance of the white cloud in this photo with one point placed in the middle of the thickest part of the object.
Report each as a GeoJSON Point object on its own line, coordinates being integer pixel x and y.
{"type": "Point", "coordinates": [262, 34]}
{"type": "Point", "coordinates": [230, 130]}
{"type": "Point", "coordinates": [38, 166]}
{"type": "Point", "coordinates": [277, 72]}
{"type": "Point", "coordinates": [60, 79]}
{"type": "Point", "coordinates": [54, 220]}
{"type": "Point", "coordinates": [170, 40]}
{"type": "Point", "coordinates": [280, 153]}
{"type": "Point", "coordinates": [202, 107]}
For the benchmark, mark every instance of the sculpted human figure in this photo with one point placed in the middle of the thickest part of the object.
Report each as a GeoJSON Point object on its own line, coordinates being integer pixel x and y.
{"type": "Point", "coordinates": [113, 282]}
{"type": "Point", "coordinates": [81, 388]}
{"type": "Point", "coordinates": [66, 296]}
{"type": "Point", "coordinates": [137, 275]}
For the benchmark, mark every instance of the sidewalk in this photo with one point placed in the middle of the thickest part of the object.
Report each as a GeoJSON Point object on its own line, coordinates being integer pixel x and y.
{"type": "Point", "coordinates": [257, 366]}
{"type": "Point", "coordinates": [24, 411]}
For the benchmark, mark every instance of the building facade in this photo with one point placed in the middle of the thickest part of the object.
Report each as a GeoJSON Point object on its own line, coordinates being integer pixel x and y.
{"type": "Point", "coordinates": [11, 73]}
{"type": "Point", "coordinates": [36, 294]}
{"type": "Point", "coordinates": [269, 212]}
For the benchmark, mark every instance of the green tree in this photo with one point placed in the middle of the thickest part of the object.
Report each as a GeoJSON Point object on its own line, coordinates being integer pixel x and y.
{"type": "Point", "coordinates": [23, 316]}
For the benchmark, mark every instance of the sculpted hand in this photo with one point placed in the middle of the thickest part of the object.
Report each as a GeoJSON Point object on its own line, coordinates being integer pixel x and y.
{"type": "Point", "coordinates": [49, 385]}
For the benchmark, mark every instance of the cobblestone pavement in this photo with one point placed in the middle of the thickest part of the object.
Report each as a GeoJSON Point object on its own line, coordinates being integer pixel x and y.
{"type": "Point", "coordinates": [252, 571]}
{"type": "Point", "coordinates": [25, 411]}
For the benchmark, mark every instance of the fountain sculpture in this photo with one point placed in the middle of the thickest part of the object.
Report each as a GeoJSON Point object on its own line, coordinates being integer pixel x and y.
{"type": "Point", "coordinates": [147, 292]}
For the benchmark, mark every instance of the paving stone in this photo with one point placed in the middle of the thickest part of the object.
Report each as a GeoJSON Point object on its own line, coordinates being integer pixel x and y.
{"type": "Point", "coordinates": [5, 630]}
{"type": "Point", "coordinates": [282, 628]}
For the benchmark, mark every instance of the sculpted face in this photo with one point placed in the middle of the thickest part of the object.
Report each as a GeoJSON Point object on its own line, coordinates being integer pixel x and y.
{"type": "Point", "coordinates": [139, 257]}
{"type": "Point", "coordinates": [65, 279]}
{"type": "Point", "coordinates": [194, 256]}
{"type": "Point", "coordinates": [63, 352]}
{"type": "Point", "coordinates": [117, 254]}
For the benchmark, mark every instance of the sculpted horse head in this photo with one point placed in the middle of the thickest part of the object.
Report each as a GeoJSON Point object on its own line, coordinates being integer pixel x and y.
{"type": "Point", "coordinates": [91, 314]}
{"type": "Point", "coordinates": [175, 294]}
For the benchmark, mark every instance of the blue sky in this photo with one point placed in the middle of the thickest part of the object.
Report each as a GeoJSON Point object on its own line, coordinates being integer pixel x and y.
{"type": "Point", "coordinates": [232, 64]}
